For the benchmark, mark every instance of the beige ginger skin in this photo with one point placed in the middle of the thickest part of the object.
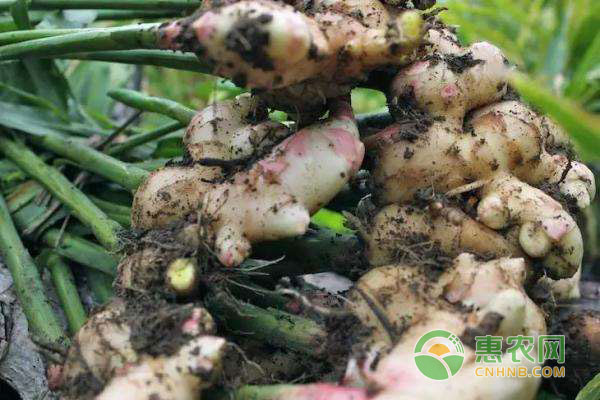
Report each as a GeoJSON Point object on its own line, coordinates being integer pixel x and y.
{"type": "Point", "coordinates": [502, 154]}
{"type": "Point", "coordinates": [272, 199]}
{"type": "Point", "coordinates": [104, 363]}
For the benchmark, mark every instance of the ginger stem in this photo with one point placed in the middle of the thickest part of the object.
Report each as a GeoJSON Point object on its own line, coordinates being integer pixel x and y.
{"type": "Point", "coordinates": [159, 105]}
{"type": "Point", "coordinates": [100, 284]}
{"type": "Point", "coordinates": [64, 282]}
{"type": "Point", "coordinates": [81, 251]}
{"type": "Point", "coordinates": [105, 229]}
{"type": "Point", "coordinates": [27, 282]}
{"type": "Point", "coordinates": [119, 38]}
{"type": "Point", "coordinates": [126, 175]}
{"type": "Point", "coordinates": [159, 58]}
{"type": "Point", "coordinates": [268, 325]}
{"type": "Point", "coordinates": [7, 38]}
{"type": "Point", "coordinates": [142, 138]}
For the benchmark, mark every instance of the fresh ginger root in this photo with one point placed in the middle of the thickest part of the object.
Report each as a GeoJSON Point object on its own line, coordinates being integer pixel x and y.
{"type": "Point", "coordinates": [471, 298]}
{"type": "Point", "coordinates": [121, 352]}
{"type": "Point", "coordinates": [504, 149]}
{"type": "Point", "coordinates": [402, 302]}
{"type": "Point", "coordinates": [415, 298]}
{"type": "Point", "coordinates": [273, 199]}
{"type": "Point", "coordinates": [396, 232]}
{"type": "Point", "coordinates": [268, 45]}
{"type": "Point", "coordinates": [223, 132]}
{"type": "Point", "coordinates": [299, 55]}
{"type": "Point", "coordinates": [250, 179]}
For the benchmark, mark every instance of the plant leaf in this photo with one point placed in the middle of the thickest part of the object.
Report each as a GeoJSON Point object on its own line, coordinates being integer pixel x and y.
{"type": "Point", "coordinates": [330, 219]}
{"type": "Point", "coordinates": [47, 79]}
{"type": "Point", "coordinates": [591, 391]}
{"type": "Point", "coordinates": [37, 121]}
{"type": "Point", "coordinates": [583, 127]}
{"type": "Point", "coordinates": [169, 148]}
{"type": "Point", "coordinates": [586, 65]}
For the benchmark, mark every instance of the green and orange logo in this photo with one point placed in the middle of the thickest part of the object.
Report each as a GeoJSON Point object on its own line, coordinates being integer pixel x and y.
{"type": "Point", "coordinates": [439, 354]}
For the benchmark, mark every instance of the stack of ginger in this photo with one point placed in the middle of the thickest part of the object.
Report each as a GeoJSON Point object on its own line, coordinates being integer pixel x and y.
{"type": "Point", "coordinates": [465, 169]}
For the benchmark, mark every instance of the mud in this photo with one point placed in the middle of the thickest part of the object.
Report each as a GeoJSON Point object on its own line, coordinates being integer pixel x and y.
{"type": "Point", "coordinates": [458, 64]}
{"type": "Point", "coordinates": [414, 122]}
{"type": "Point", "coordinates": [248, 39]}
{"type": "Point", "coordinates": [580, 323]}
{"type": "Point", "coordinates": [156, 325]}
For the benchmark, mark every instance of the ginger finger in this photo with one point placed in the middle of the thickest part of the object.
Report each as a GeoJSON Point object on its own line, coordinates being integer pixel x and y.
{"type": "Point", "coordinates": [181, 376]}
{"type": "Point", "coordinates": [225, 131]}
{"type": "Point", "coordinates": [274, 199]}
{"type": "Point", "coordinates": [447, 227]}
{"type": "Point", "coordinates": [490, 300]}
{"type": "Point", "coordinates": [546, 230]}
{"type": "Point", "coordinates": [117, 343]}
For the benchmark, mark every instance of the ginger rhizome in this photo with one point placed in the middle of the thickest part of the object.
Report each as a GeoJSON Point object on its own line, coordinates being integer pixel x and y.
{"type": "Point", "coordinates": [470, 297]}
{"type": "Point", "coordinates": [142, 350]}
{"type": "Point", "coordinates": [503, 152]}
{"type": "Point", "coordinates": [473, 198]}
{"type": "Point", "coordinates": [271, 199]}
{"type": "Point", "coordinates": [298, 55]}
{"type": "Point", "coordinates": [269, 45]}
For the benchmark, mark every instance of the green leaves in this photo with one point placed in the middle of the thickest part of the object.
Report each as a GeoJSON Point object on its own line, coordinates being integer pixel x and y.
{"type": "Point", "coordinates": [331, 220]}
{"type": "Point", "coordinates": [585, 83]}
{"type": "Point", "coordinates": [583, 127]}
{"type": "Point", "coordinates": [91, 81]}
{"type": "Point", "coordinates": [18, 10]}
{"type": "Point", "coordinates": [46, 78]}
{"type": "Point", "coordinates": [36, 121]}
{"type": "Point", "coordinates": [591, 391]}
